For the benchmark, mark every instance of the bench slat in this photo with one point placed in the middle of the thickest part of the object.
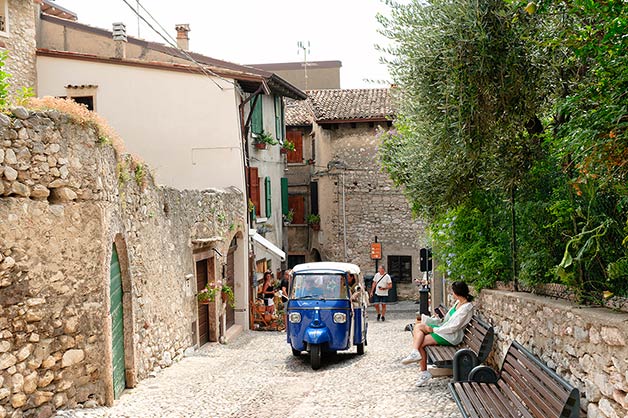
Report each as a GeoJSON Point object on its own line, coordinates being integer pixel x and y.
{"type": "Point", "coordinates": [469, 410]}
{"type": "Point", "coordinates": [515, 401]}
{"type": "Point", "coordinates": [490, 402]}
{"type": "Point", "coordinates": [541, 388]}
{"type": "Point", "coordinates": [475, 400]}
{"type": "Point", "coordinates": [526, 393]}
{"type": "Point", "coordinates": [554, 390]}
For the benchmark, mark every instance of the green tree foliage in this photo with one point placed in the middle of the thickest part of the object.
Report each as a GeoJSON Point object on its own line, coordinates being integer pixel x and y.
{"type": "Point", "coordinates": [506, 105]}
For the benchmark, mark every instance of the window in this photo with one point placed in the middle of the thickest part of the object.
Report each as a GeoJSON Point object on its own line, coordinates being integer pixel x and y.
{"type": "Point", "coordinates": [88, 101]}
{"type": "Point", "coordinates": [268, 197]}
{"type": "Point", "coordinates": [400, 268]}
{"type": "Point", "coordinates": [280, 126]}
{"type": "Point", "coordinates": [257, 121]}
{"type": "Point", "coordinates": [296, 203]}
{"type": "Point", "coordinates": [254, 192]}
{"type": "Point", "coordinates": [296, 156]}
{"type": "Point", "coordinates": [295, 259]}
{"type": "Point", "coordinates": [4, 16]}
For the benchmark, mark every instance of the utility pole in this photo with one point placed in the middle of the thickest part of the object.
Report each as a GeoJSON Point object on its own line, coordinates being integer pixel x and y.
{"type": "Point", "coordinates": [306, 50]}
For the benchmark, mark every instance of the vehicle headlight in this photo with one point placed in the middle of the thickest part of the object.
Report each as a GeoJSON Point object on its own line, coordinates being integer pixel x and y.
{"type": "Point", "coordinates": [294, 317]}
{"type": "Point", "coordinates": [340, 318]}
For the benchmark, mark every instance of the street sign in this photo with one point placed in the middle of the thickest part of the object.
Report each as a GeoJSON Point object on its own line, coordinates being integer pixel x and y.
{"type": "Point", "coordinates": [376, 251]}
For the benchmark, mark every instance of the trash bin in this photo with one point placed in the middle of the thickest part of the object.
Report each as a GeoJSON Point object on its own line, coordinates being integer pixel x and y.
{"type": "Point", "coordinates": [392, 292]}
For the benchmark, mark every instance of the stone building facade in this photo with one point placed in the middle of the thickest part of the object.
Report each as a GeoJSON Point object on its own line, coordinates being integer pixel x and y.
{"type": "Point", "coordinates": [74, 215]}
{"type": "Point", "coordinates": [587, 346]}
{"type": "Point", "coordinates": [356, 199]}
{"type": "Point", "coordinates": [18, 38]}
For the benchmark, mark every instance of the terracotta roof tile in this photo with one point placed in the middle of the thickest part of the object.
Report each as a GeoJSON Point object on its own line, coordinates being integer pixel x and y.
{"type": "Point", "coordinates": [340, 105]}
{"type": "Point", "coordinates": [298, 113]}
{"type": "Point", "coordinates": [351, 104]}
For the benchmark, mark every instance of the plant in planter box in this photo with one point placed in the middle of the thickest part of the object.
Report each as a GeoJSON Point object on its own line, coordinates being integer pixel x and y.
{"type": "Point", "coordinates": [314, 220]}
{"type": "Point", "coordinates": [263, 139]}
{"type": "Point", "coordinates": [209, 293]}
{"type": "Point", "coordinates": [287, 146]}
{"type": "Point", "coordinates": [288, 217]}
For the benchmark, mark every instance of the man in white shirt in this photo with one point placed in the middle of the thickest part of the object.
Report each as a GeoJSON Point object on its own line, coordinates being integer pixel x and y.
{"type": "Point", "coordinates": [379, 291]}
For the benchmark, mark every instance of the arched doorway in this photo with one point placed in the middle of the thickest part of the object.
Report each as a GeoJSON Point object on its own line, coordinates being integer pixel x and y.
{"type": "Point", "coordinates": [204, 275]}
{"type": "Point", "coordinates": [315, 255]}
{"type": "Point", "coordinates": [230, 279]}
{"type": "Point", "coordinates": [117, 323]}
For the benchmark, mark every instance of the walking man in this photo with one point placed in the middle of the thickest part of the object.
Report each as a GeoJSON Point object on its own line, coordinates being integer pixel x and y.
{"type": "Point", "coordinates": [379, 292]}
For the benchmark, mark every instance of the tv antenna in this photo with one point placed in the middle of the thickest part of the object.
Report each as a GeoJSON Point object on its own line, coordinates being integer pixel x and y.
{"type": "Point", "coordinates": [305, 48]}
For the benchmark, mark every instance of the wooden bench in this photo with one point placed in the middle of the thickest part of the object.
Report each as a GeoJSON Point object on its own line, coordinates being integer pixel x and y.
{"type": "Point", "coordinates": [524, 388]}
{"type": "Point", "coordinates": [474, 349]}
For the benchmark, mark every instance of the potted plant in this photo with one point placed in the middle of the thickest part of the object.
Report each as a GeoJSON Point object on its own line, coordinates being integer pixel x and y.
{"type": "Point", "coordinates": [263, 139]}
{"type": "Point", "coordinates": [209, 293]}
{"type": "Point", "coordinates": [287, 146]}
{"type": "Point", "coordinates": [314, 220]}
{"type": "Point", "coordinates": [288, 217]}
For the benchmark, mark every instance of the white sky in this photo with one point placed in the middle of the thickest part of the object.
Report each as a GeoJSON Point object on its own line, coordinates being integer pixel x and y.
{"type": "Point", "coordinates": [257, 31]}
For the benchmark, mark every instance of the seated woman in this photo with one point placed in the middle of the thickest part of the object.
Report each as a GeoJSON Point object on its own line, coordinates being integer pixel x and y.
{"type": "Point", "coordinates": [446, 331]}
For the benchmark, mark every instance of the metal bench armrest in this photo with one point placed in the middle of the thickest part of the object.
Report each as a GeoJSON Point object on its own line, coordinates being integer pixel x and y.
{"type": "Point", "coordinates": [483, 374]}
{"type": "Point", "coordinates": [464, 361]}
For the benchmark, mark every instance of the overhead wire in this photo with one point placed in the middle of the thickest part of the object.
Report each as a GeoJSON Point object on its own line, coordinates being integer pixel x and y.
{"type": "Point", "coordinates": [207, 72]}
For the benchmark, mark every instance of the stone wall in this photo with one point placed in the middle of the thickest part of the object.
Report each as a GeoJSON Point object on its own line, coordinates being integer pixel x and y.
{"type": "Point", "coordinates": [20, 42]}
{"type": "Point", "coordinates": [585, 345]}
{"type": "Point", "coordinates": [373, 205]}
{"type": "Point", "coordinates": [65, 198]}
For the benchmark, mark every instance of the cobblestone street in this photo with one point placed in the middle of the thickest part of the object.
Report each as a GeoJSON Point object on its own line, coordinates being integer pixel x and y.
{"type": "Point", "coordinates": [257, 376]}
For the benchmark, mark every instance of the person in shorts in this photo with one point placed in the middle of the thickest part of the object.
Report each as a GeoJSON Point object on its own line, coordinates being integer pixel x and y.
{"type": "Point", "coordinates": [379, 292]}
{"type": "Point", "coordinates": [436, 331]}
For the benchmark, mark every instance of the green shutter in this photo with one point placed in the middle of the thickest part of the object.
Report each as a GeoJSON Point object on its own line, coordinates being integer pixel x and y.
{"type": "Point", "coordinates": [257, 121]}
{"type": "Point", "coordinates": [269, 211]}
{"type": "Point", "coordinates": [284, 196]}
{"type": "Point", "coordinates": [278, 118]}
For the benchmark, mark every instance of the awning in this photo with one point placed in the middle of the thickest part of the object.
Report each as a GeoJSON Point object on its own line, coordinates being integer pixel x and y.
{"type": "Point", "coordinates": [269, 245]}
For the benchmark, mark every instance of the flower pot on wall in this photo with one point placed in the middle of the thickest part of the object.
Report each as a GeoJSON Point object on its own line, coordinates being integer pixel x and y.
{"type": "Point", "coordinates": [260, 145]}
{"type": "Point", "coordinates": [315, 227]}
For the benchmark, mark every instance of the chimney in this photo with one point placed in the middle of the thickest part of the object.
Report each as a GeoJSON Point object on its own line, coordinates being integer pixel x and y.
{"type": "Point", "coordinates": [119, 37]}
{"type": "Point", "coordinates": [183, 40]}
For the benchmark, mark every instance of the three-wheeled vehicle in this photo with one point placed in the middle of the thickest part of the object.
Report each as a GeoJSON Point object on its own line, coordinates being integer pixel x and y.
{"type": "Point", "coordinates": [326, 309]}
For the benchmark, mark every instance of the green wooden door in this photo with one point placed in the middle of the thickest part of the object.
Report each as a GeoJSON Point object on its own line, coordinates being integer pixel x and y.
{"type": "Point", "coordinates": [117, 325]}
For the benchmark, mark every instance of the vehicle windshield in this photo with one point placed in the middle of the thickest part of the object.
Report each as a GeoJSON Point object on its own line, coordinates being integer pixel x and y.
{"type": "Point", "coordinates": [318, 286]}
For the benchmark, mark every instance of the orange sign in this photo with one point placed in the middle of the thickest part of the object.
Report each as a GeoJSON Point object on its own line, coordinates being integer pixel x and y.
{"type": "Point", "coordinates": [376, 251]}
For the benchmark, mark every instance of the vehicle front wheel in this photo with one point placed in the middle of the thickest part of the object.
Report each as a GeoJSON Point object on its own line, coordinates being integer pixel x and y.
{"type": "Point", "coordinates": [315, 356]}
{"type": "Point", "coordinates": [296, 352]}
{"type": "Point", "coordinates": [360, 348]}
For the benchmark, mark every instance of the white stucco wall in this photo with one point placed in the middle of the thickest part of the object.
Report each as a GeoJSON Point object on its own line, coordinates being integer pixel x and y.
{"type": "Point", "coordinates": [270, 163]}
{"type": "Point", "coordinates": [182, 124]}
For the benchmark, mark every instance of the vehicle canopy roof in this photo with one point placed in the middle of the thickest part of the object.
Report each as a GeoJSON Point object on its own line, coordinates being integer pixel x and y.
{"type": "Point", "coordinates": [326, 266]}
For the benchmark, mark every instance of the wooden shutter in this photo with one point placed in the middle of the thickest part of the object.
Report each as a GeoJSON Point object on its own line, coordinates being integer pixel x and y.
{"type": "Point", "coordinates": [257, 120]}
{"type": "Point", "coordinates": [296, 137]}
{"type": "Point", "coordinates": [269, 202]}
{"type": "Point", "coordinates": [254, 192]}
{"type": "Point", "coordinates": [279, 125]}
{"type": "Point", "coordinates": [284, 196]}
{"type": "Point", "coordinates": [296, 203]}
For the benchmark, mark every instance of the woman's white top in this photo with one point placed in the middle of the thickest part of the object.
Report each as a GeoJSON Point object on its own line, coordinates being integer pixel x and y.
{"type": "Point", "coordinates": [451, 327]}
